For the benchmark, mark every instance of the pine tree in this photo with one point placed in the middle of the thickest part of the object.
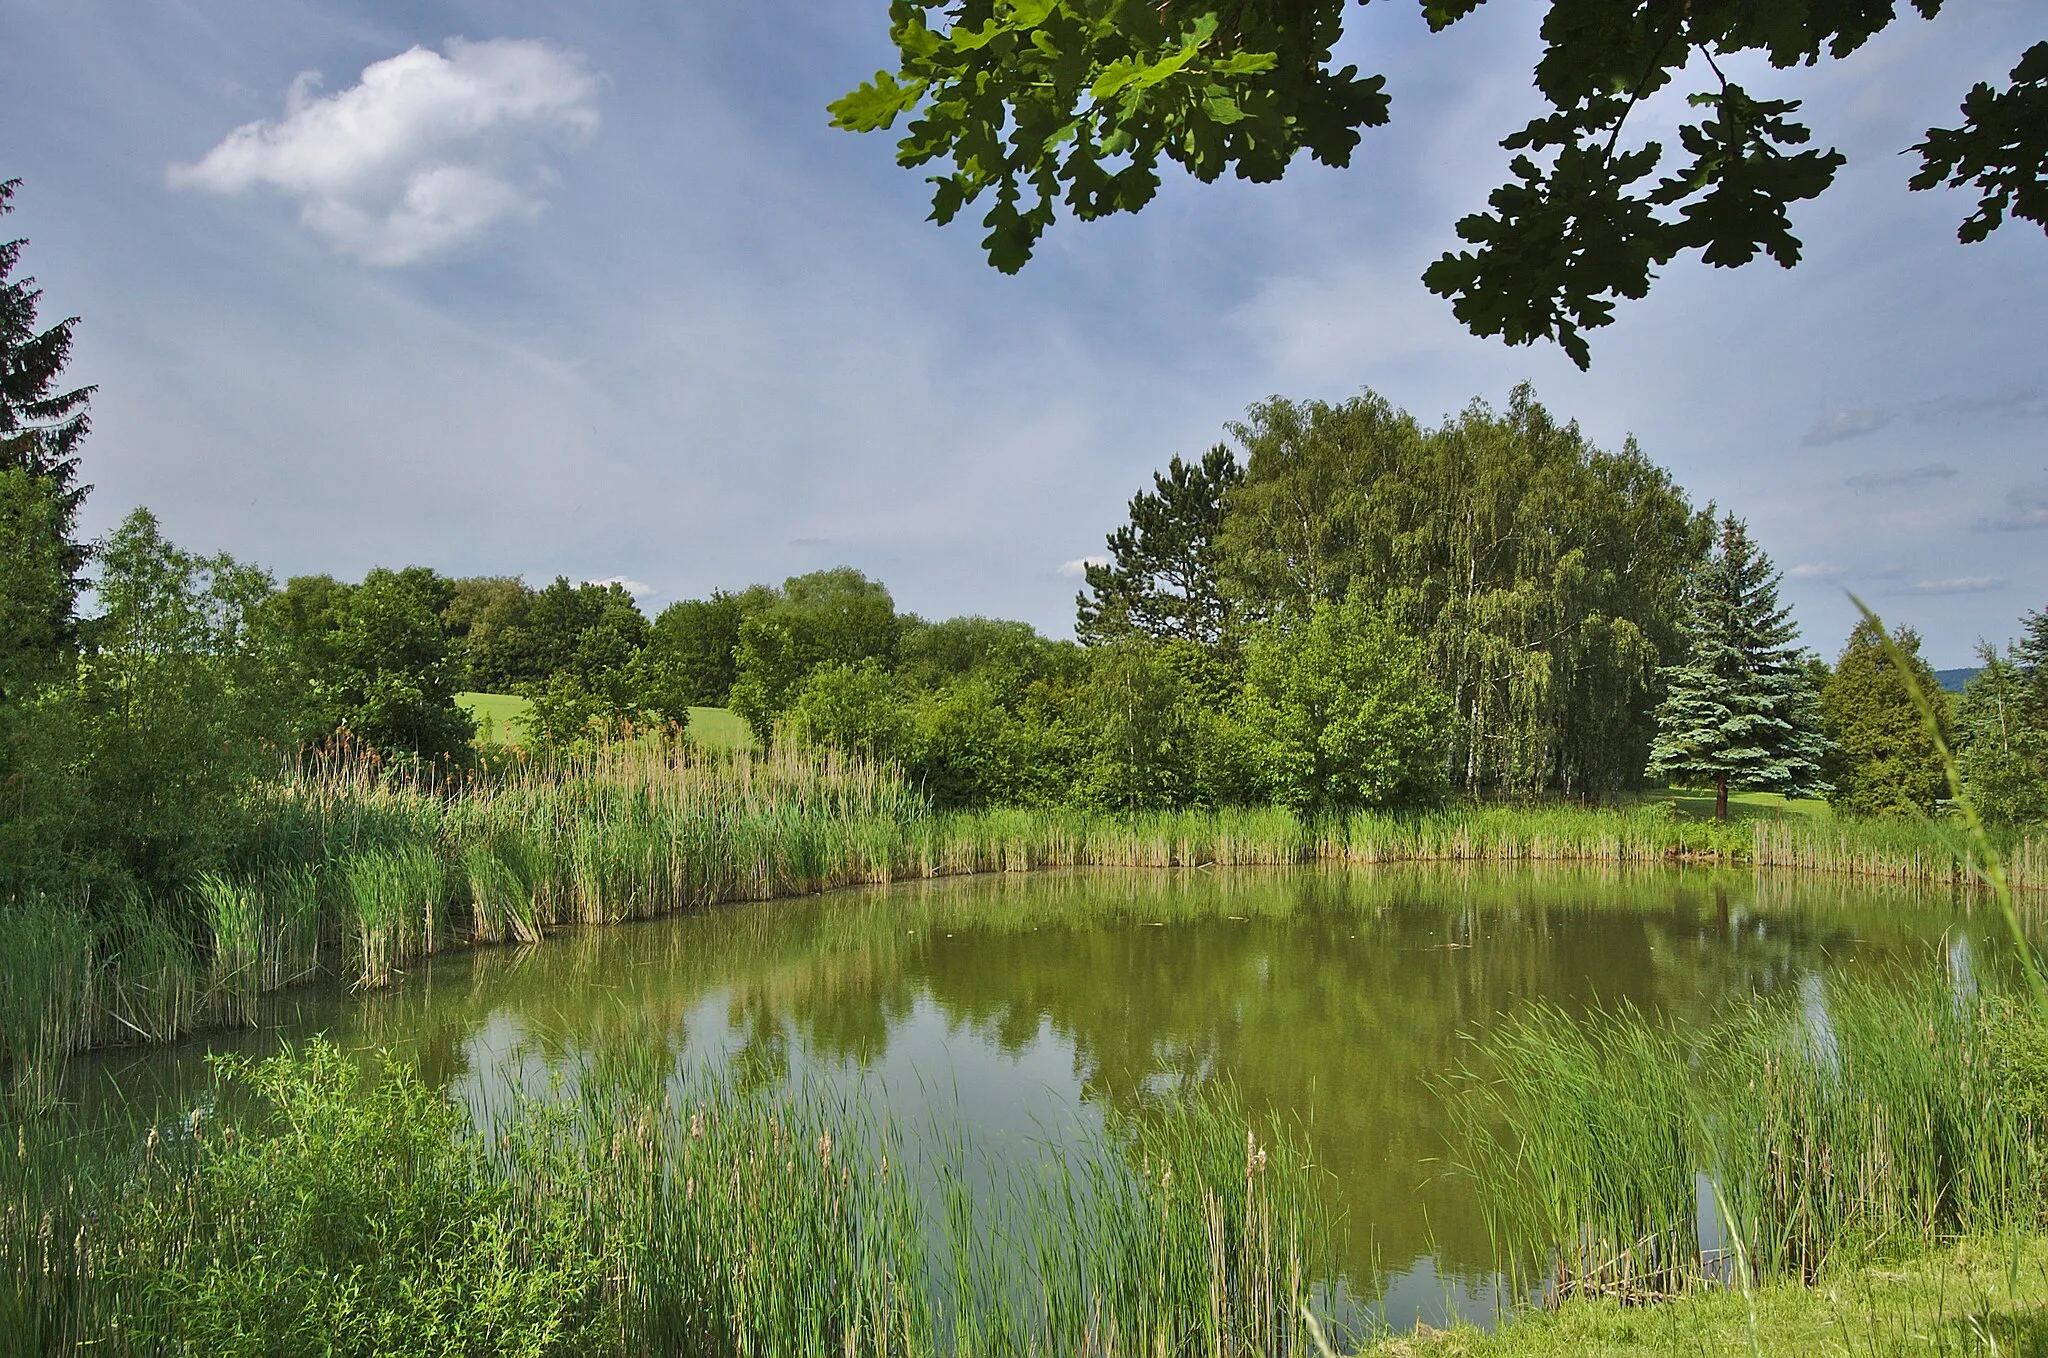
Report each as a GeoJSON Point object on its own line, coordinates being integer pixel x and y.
{"type": "Point", "coordinates": [1163, 578]}
{"type": "Point", "coordinates": [1883, 761]}
{"type": "Point", "coordinates": [41, 424]}
{"type": "Point", "coordinates": [1740, 710]}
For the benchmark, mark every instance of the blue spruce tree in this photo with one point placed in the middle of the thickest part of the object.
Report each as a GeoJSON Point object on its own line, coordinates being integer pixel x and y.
{"type": "Point", "coordinates": [1739, 710]}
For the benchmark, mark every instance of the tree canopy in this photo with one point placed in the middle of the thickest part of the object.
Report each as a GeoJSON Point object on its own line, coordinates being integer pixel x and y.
{"type": "Point", "coordinates": [1543, 575]}
{"type": "Point", "coordinates": [1035, 103]}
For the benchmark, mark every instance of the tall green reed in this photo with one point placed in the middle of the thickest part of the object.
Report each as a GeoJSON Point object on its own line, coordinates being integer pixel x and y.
{"type": "Point", "coordinates": [1625, 1158]}
{"type": "Point", "coordinates": [318, 1201]}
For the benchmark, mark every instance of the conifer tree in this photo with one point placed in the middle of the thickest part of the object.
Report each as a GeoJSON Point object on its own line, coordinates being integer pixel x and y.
{"type": "Point", "coordinates": [1740, 710]}
{"type": "Point", "coordinates": [41, 426]}
{"type": "Point", "coordinates": [1163, 578]}
{"type": "Point", "coordinates": [1882, 761]}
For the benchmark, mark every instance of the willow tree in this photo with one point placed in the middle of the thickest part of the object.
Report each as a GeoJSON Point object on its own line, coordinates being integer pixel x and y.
{"type": "Point", "coordinates": [1545, 576]}
{"type": "Point", "coordinates": [1741, 709]}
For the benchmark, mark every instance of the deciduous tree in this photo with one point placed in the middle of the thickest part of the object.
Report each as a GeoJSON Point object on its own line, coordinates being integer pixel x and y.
{"type": "Point", "coordinates": [1339, 711]}
{"type": "Point", "coordinates": [2002, 726]}
{"type": "Point", "coordinates": [1038, 103]}
{"type": "Point", "coordinates": [1544, 575]}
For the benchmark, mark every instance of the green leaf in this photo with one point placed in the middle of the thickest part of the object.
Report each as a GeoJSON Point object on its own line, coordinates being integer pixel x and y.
{"type": "Point", "coordinates": [876, 104]}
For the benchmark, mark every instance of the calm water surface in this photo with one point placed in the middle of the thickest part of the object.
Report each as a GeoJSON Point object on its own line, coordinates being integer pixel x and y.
{"type": "Point", "coordinates": [1017, 1006]}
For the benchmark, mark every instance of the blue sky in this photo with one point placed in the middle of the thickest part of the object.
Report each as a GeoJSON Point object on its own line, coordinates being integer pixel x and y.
{"type": "Point", "coordinates": [594, 290]}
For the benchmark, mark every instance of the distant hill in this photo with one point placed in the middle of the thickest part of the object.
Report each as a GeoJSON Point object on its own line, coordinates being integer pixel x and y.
{"type": "Point", "coordinates": [1953, 680]}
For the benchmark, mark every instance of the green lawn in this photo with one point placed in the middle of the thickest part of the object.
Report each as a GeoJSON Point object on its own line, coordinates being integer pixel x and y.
{"type": "Point", "coordinates": [718, 728]}
{"type": "Point", "coordinates": [715, 728]}
{"type": "Point", "coordinates": [1977, 1297]}
{"type": "Point", "coordinates": [494, 714]}
{"type": "Point", "coordinates": [1699, 805]}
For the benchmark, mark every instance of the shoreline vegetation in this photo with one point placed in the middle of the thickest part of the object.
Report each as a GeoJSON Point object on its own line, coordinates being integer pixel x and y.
{"type": "Point", "coordinates": [322, 1203]}
{"type": "Point", "coordinates": [347, 871]}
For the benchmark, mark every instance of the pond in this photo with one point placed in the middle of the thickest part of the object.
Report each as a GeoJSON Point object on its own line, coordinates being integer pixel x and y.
{"type": "Point", "coordinates": [1014, 1006]}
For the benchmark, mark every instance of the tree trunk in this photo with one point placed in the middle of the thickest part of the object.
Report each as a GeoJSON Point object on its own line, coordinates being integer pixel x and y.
{"type": "Point", "coordinates": [1721, 798]}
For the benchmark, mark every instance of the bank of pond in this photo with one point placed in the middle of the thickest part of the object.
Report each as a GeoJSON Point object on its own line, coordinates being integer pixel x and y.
{"type": "Point", "coordinates": [344, 871]}
{"type": "Point", "coordinates": [1206, 1110]}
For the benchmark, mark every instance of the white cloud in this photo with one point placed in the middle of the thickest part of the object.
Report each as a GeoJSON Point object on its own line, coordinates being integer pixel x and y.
{"type": "Point", "coordinates": [429, 150]}
{"type": "Point", "coordinates": [1078, 567]}
{"type": "Point", "coordinates": [1815, 570]}
{"type": "Point", "coordinates": [1960, 584]}
{"type": "Point", "coordinates": [1846, 424]}
{"type": "Point", "coordinates": [639, 589]}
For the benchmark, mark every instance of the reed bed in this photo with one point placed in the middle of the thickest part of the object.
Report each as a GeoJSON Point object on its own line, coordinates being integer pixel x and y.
{"type": "Point", "coordinates": [314, 1204]}
{"type": "Point", "coordinates": [359, 873]}
{"type": "Point", "coordinates": [1621, 1158]}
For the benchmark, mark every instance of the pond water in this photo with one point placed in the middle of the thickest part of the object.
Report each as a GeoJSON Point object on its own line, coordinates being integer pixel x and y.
{"type": "Point", "coordinates": [1017, 1005]}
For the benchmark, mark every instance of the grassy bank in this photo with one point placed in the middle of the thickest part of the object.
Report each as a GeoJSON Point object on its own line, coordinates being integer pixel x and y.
{"type": "Point", "coordinates": [1744, 1178]}
{"type": "Point", "coordinates": [1623, 1158]}
{"type": "Point", "coordinates": [312, 1205]}
{"type": "Point", "coordinates": [345, 872]}
{"type": "Point", "coordinates": [1971, 1297]}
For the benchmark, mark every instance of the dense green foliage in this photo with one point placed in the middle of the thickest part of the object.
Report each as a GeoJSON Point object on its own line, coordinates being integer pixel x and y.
{"type": "Point", "coordinates": [2002, 726]}
{"type": "Point", "coordinates": [1039, 102]}
{"type": "Point", "coordinates": [1916, 1117]}
{"type": "Point", "coordinates": [133, 763]}
{"type": "Point", "coordinates": [311, 1206]}
{"type": "Point", "coordinates": [835, 617]}
{"type": "Point", "coordinates": [1544, 576]}
{"type": "Point", "coordinates": [1741, 710]}
{"type": "Point", "coordinates": [1882, 760]}
{"type": "Point", "coordinates": [1340, 712]}
{"type": "Point", "coordinates": [688, 659]}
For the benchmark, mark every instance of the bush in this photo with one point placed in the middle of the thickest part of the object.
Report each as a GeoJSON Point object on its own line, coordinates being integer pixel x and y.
{"type": "Point", "coordinates": [1339, 712]}
{"type": "Point", "coordinates": [362, 1217]}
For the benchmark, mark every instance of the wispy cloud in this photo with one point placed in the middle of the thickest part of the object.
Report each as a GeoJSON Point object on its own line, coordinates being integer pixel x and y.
{"type": "Point", "coordinates": [1959, 584]}
{"type": "Point", "coordinates": [639, 589]}
{"type": "Point", "coordinates": [427, 151]}
{"type": "Point", "coordinates": [1904, 476]}
{"type": "Point", "coordinates": [2027, 507]}
{"type": "Point", "coordinates": [1846, 424]}
{"type": "Point", "coordinates": [1815, 570]}
{"type": "Point", "coordinates": [2018, 402]}
{"type": "Point", "coordinates": [2015, 400]}
{"type": "Point", "coordinates": [1078, 567]}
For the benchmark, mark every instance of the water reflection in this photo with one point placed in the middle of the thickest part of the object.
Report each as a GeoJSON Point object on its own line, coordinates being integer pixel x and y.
{"type": "Point", "coordinates": [1026, 1005]}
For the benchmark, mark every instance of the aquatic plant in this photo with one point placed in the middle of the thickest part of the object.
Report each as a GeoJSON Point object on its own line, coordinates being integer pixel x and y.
{"type": "Point", "coordinates": [1623, 1157]}
{"type": "Point", "coordinates": [315, 1203]}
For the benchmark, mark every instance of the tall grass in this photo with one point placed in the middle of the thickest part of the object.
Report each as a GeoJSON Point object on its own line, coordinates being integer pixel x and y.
{"type": "Point", "coordinates": [363, 872]}
{"type": "Point", "coordinates": [1629, 1159]}
{"type": "Point", "coordinates": [312, 1205]}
